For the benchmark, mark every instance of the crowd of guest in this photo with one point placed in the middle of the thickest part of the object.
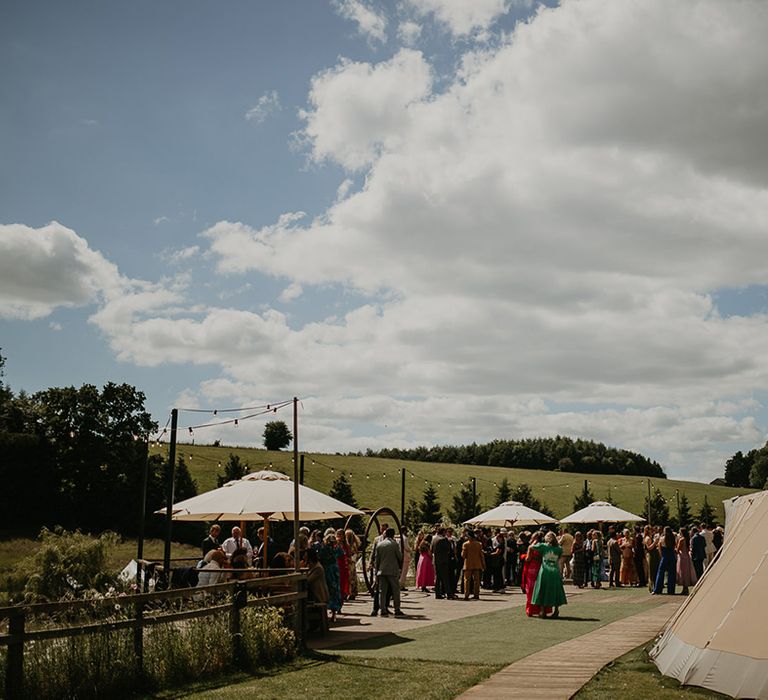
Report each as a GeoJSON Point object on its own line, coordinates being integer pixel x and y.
{"type": "Point", "coordinates": [450, 565]}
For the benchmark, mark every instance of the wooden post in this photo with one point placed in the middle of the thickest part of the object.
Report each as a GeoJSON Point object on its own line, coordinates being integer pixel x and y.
{"type": "Point", "coordinates": [301, 470]}
{"type": "Point", "coordinates": [169, 497]}
{"type": "Point", "coordinates": [138, 638]}
{"type": "Point", "coordinates": [474, 496]}
{"type": "Point", "coordinates": [239, 598]}
{"type": "Point", "coordinates": [402, 495]}
{"type": "Point", "coordinates": [143, 516]}
{"type": "Point", "coordinates": [300, 617]}
{"type": "Point", "coordinates": [296, 509]}
{"type": "Point", "coordinates": [14, 672]}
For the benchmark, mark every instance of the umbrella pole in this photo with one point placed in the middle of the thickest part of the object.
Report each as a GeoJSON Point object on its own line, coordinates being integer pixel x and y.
{"type": "Point", "coordinates": [264, 558]}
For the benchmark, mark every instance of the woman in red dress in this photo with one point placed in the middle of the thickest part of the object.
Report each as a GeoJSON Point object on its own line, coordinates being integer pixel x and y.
{"type": "Point", "coordinates": [342, 557]}
{"type": "Point", "coordinates": [530, 573]}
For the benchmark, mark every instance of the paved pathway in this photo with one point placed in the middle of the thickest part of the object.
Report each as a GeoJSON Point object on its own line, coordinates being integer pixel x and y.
{"type": "Point", "coordinates": [421, 609]}
{"type": "Point", "coordinates": [562, 670]}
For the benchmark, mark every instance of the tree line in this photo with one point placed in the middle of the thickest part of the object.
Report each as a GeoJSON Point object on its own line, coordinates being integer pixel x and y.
{"type": "Point", "coordinates": [550, 454]}
{"type": "Point", "coordinates": [748, 470]}
{"type": "Point", "coordinates": [76, 457]}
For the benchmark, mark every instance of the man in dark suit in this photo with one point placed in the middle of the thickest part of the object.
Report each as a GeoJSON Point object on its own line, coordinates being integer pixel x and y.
{"type": "Point", "coordinates": [441, 556]}
{"type": "Point", "coordinates": [212, 541]}
{"type": "Point", "coordinates": [698, 550]}
{"type": "Point", "coordinates": [388, 560]}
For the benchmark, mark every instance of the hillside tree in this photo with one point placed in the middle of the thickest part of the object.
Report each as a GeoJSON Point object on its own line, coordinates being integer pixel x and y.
{"type": "Point", "coordinates": [234, 469]}
{"type": "Point", "coordinates": [429, 508]}
{"type": "Point", "coordinates": [706, 514]}
{"type": "Point", "coordinates": [583, 499]}
{"type": "Point", "coordinates": [659, 508]}
{"type": "Point", "coordinates": [503, 492]}
{"type": "Point", "coordinates": [276, 435]}
{"type": "Point", "coordinates": [464, 505]}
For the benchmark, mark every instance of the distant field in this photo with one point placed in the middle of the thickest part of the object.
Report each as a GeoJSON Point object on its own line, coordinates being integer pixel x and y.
{"type": "Point", "coordinates": [376, 482]}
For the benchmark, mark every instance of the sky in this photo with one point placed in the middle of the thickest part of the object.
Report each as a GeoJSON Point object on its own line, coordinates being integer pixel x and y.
{"type": "Point", "coordinates": [434, 221]}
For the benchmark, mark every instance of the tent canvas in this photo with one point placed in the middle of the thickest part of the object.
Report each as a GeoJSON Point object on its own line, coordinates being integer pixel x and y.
{"type": "Point", "coordinates": [510, 513]}
{"type": "Point", "coordinates": [601, 512]}
{"type": "Point", "coordinates": [719, 638]}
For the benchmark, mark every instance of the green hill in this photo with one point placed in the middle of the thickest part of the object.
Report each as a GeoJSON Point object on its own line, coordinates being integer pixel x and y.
{"type": "Point", "coordinates": [376, 481]}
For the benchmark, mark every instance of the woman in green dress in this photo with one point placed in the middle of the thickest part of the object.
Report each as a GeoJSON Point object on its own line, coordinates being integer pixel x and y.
{"type": "Point", "coordinates": [549, 591]}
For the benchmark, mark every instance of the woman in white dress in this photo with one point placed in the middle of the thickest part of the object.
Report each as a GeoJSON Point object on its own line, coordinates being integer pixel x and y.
{"type": "Point", "coordinates": [406, 560]}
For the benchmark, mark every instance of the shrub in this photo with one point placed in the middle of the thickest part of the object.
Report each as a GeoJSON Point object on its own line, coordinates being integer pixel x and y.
{"type": "Point", "coordinates": [66, 564]}
{"type": "Point", "coordinates": [265, 639]}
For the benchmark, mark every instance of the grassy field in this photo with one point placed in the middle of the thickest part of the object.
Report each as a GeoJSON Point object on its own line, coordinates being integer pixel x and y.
{"type": "Point", "coordinates": [376, 482]}
{"type": "Point", "coordinates": [635, 677]}
{"type": "Point", "coordinates": [16, 549]}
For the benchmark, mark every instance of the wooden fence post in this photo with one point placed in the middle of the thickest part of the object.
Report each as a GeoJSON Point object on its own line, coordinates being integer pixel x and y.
{"type": "Point", "coordinates": [300, 613]}
{"type": "Point", "coordinates": [14, 672]}
{"type": "Point", "coordinates": [239, 599]}
{"type": "Point", "coordinates": [138, 638]}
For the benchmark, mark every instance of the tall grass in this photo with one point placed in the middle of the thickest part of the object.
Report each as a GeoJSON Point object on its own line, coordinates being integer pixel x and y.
{"type": "Point", "coordinates": [104, 664]}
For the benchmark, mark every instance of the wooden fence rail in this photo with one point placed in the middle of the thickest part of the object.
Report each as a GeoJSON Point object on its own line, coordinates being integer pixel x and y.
{"type": "Point", "coordinates": [238, 592]}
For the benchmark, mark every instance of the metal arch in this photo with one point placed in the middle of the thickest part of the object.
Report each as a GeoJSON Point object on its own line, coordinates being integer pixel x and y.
{"type": "Point", "coordinates": [374, 518]}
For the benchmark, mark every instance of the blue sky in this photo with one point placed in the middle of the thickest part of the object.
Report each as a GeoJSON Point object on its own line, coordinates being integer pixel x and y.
{"type": "Point", "coordinates": [435, 221]}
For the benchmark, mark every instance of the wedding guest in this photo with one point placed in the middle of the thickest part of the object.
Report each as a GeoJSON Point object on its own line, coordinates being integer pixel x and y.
{"type": "Point", "coordinates": [667, 564]}
{"type": "Point", "coordinates": [686, 574]}
{"type": "Point", "coordinates": [579, 559]}
{"type": "Point", "coordinates": [212, 541]}
{"type": "Point", "coordinates": [548, 592]}
{"type": "Point", "coordinates": [474, 563]}
{"type": "Point", "coordinates": [627, 575]}
{"type": "Point", "coordinates": [650, 544]}
{"type": "Point", "coordinates": [698, 551]}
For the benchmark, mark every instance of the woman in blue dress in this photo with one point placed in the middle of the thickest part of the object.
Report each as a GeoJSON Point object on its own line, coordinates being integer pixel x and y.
{"type": "Point", "coordinates": [668, 563]}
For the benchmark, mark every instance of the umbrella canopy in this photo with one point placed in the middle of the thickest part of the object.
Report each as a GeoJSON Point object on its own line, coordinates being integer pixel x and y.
{"type": "Point", "coordinates": [510, 513]}
{"type": "Point", "coordinates": [602, 512]}
{"type": "Point", "coordinates": [264, 495]}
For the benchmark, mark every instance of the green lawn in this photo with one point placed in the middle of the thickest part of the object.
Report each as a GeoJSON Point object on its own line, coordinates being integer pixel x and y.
{"type": "Point", "coordinates": [327, 676]}
{"type": "Point", "coordinates": [635, 677]}
{"type": "Point", "coordinates": [438, 661]}
{"type": "Point", "coordinates": [486, 638]}
{"type": "Point", "coordinates": [373, 489]}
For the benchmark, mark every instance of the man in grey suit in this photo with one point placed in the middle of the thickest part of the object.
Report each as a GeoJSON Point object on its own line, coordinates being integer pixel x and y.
{"type": "Point", "coordinates": [387, 561]}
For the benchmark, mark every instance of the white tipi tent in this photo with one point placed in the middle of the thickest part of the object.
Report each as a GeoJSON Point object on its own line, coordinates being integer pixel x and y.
{"type": "Point", "coordinates": [719, 638]}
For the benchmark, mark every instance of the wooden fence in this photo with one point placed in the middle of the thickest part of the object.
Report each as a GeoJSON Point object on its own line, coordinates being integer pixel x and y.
{"type": "Point", "coordinates": [240, 594]}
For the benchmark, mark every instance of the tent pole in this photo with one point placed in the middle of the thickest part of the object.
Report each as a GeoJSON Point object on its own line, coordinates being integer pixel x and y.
{"type": "Point", "coordinates": [297, 563]}
{"type": "Point", "coordinates": [169, 496]}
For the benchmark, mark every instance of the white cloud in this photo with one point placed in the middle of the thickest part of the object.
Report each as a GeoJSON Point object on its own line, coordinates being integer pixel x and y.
{"type": "Point", "coordinates": [47, 268]}
{"type": "Point", "coordinates": [55, 326]}
{"type": "Point", "coordinates": [160, 220]}
{"type": "Point", "coordinates": [552, 224]}
{"type": "Point", "coordinates": [460, 17]}
{"type": "Point", "coordinates": [181, 255]}
{"type": "Point", "coordinates": [409, 32]}
{"type": "Point", "coordinates": [291, 292]}
{"type": "Point", "coordinates": [358, 110]}
{"type": "Point", "coordinates": [267, 104]}
{"type": "Point", "coordinates": [370, 23]}
{"type": "Point", "coordinates": [539, 244]}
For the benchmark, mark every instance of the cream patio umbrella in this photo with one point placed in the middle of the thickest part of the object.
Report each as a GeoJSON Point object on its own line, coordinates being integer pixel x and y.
{"type": "Point", "coordinates": [264, 495]}
{"type": "Point", "coordinates": [511, 513]}
{"type": "Point", "coordinates": [601, 512]}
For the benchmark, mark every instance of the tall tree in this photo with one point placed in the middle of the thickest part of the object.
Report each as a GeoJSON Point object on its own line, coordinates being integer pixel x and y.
{"type": "Point", "coordinates": [341, 490]}
{"type": "Point", "coordinates": [234, 469]}
{"type": "Point", "coordinates": [503, 492]}
{"type": "Point", "coordinates": [276, 435]}
{"type": "Point", "coordinates": [707, 514]}
{"type": "Point", "coordinates": [758, 474]}
{"type": "Point", "coordinates": [659, 508]}
{"type": "Point", "coordinates": [585, 498]}
{"type": "Point", "coordinates": [737, 470]}
{"type": "Point", "coordinates": [685, 517]}
{"type": "Point", "coordinates": [430, 506]}
{"type": "Point", "coordinates": [523, 493]}
{"type": "Point", "coordinates": [464, 505]}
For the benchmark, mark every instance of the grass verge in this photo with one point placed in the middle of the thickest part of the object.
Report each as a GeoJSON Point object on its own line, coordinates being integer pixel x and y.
{"type": "Point", "coordinates": [321, 676]}
{"type": "Point", "coordinates": [635, 677]}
